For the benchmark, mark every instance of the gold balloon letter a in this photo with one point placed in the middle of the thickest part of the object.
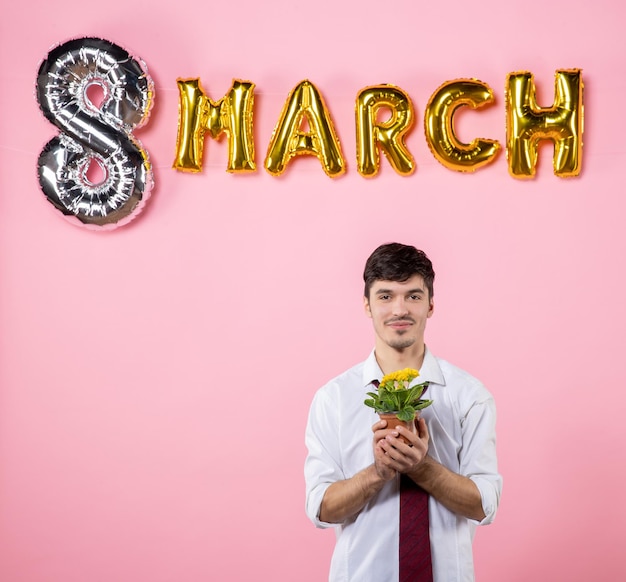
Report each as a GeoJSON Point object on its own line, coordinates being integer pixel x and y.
{"type": "Point", "coordinates": [439, 128]}
{"type": "Point", "coordinates": [527, 124]}
{"type": "Point", "coordinates": [290, 140]}
{"type": "Point", "coordinates": [231, 115]}
{"type": "Point", "coordinates": [388, 134]}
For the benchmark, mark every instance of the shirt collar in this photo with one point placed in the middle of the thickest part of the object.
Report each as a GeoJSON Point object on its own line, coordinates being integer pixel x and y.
{"type": "Point", "coordinates": [371, 370]}
{"type": "Point", "coordinates": [429, 372]}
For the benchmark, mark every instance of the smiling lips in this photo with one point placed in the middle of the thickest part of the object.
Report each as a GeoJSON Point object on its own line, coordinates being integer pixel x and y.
{"type": "Point", "coordinates": [400, 324]}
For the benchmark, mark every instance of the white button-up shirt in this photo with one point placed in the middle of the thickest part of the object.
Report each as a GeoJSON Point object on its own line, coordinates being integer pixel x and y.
{"type": "Point", "coordinates": [461, 423]}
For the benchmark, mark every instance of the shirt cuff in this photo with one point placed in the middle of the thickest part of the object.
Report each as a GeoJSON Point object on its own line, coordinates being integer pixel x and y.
{"type": "Point", "coordinates": [314, 506]}
{"type": "Point", "coordinates": [490, 496]}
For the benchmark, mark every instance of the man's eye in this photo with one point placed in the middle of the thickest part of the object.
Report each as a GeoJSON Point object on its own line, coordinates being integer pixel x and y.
{"type": "Point", "coordinates": [383, 297]}
{"type": "Point", "coordinates": [415, 297]}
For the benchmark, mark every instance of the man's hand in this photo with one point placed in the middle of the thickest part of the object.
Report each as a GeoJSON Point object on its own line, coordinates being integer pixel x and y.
{"type": "Point", "coordinates": [456, 492]}
{"type": "Point", "coordinates": [344, 499]}
{"type": "Point", "coordinates": [381, 432]}
{"type": "Point", "coordinates": [392, 455]}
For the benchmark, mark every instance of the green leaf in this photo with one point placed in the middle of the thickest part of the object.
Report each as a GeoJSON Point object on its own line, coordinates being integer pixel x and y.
{"type": "Point", "coordinates": [416, 391]}
{"type": "Point", "coordinates": [423, 404]}
{"type": "Point", "coordinates": [404, 402]}
{"type": "Point", "coordinates": [407, 414]}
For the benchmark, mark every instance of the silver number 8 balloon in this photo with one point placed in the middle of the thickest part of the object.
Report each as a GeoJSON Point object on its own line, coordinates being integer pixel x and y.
{"type": "Point", "coordinates": [95, 131]}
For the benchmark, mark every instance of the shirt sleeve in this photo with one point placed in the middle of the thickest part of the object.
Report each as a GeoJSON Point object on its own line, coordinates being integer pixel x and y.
{"type": "Point", "coordinates": [478, 459]}
{"type": "Point", "coordinates": [322, 466]}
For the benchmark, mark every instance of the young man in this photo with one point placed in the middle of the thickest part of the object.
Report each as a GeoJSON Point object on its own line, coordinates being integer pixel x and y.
{"type": "Point", "coordinates": [357, 468]}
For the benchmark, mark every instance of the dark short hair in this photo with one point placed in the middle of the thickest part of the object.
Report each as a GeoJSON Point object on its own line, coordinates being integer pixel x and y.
{"type": "Point", "coordinates": [398, 262]}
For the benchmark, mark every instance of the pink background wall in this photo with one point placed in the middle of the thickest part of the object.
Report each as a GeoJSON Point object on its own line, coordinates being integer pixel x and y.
{"type": "Point", "coordinates": [155, 380]}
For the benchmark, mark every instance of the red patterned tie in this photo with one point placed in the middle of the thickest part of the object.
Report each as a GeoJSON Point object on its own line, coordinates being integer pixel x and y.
{"type": "Point", "coordinates": [415, 562]}
{"type": "Point", "coordinates": [415, 559]}
{"type": "Point", "coordinates": [414, 550]}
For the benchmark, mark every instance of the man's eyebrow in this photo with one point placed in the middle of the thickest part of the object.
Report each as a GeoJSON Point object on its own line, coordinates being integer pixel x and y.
{"type": "Point", "coordinates": [409, 292]}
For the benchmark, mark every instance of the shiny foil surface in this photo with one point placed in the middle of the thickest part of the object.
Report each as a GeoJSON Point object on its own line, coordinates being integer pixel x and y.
{"type": "Point", "coordinates": [95, 131]}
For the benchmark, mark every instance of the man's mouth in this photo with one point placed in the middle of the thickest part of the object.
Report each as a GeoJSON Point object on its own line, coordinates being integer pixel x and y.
{"type": "Point", "coordinates": [400, 323]}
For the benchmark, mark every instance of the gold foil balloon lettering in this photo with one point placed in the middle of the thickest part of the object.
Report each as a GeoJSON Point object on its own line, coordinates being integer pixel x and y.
{"type": "Point", "coordinates": [439, 127]}
{"type": "Point", "coordinates": [305, 127]}
{"type": "Point", "coordinates": [305, 103]}
{"type": "Point", "coordinates": [388, 134]}
{"type": "Point", "coordinates": [231, 116]}
{"type": "Point", "coordinates": [527, 123]}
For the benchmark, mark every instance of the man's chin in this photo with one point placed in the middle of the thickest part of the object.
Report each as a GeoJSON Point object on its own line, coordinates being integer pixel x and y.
{"type": "Point", "coordinates": [401, 344]}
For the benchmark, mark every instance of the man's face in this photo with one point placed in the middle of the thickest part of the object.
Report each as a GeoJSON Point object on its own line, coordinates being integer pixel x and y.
{"type": "Point", "coordinates": [399, 311]}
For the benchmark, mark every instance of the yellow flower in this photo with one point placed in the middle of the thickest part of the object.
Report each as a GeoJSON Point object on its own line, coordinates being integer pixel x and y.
{"type": "Point", "coordinates": [394, 395]}
{"type": "Point", "coordinates": [400, 379]}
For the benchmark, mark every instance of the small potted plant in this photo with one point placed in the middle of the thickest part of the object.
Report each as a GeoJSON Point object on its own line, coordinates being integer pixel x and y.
{"type": "Point", "coordinates": [396, 401]}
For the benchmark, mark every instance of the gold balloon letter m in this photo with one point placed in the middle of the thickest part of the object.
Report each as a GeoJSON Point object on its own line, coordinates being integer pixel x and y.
{"type": "Point", "coordinates": [527, 124]}
{"type": "Point", "coordinates": [231, 115]}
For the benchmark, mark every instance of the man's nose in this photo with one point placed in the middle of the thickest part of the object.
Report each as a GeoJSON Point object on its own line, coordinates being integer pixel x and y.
{"type": "Point", "coordinates": [399, 306]}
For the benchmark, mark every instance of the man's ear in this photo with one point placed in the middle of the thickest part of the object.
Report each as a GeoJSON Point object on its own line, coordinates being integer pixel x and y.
{"type": "Point", "coordinates": [431, 308]}
{"type": "Point", "coordinates": [366, 306]}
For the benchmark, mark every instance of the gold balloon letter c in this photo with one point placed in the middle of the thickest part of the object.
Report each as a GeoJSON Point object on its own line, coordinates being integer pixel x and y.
{"type": "Point", "coordinates": [438, 125]}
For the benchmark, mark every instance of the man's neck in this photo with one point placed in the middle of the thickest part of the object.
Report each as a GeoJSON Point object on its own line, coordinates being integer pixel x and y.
{"type": "Point", "coordinates": [391, 359]}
